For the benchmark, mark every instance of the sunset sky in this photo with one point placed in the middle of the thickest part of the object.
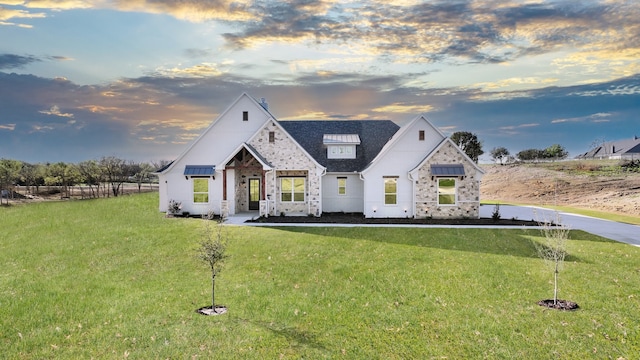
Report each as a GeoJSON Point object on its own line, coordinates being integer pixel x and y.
{"type": "Point", "coordinates": [140, 79]}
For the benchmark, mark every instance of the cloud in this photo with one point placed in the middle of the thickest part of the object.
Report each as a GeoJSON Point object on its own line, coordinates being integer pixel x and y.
{"type": "Point", "coordinates": [515, 83]}
{"type": "Point", "coordinates": [11, 61]}
{"type": "Point", "coordinates": [9, 127]}
{"type": "Point", "coordinates": [201, 70]}
{"type": "Point", "coordinates": [595, 118]}
{"type": "Point", "coordinates": [407, 31]}
{"type": "Point", "coordinates": [404, 108]}
{"type": "Point", "coordinates": [9, 14]}
{"type": "Point", "coordinates": [520, 126]}
{"type": "Point", "coordinates": [14, 61]}
{"type": "Point", "coordinates": [55, 111]}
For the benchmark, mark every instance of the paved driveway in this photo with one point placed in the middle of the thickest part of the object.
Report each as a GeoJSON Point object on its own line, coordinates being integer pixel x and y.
{"type": "Point", "coordinates": [626, 233]}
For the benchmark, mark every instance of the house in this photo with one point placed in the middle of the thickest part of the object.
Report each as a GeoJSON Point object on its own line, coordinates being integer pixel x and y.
{"type": "Point", "coordinates": [615, 150]}
{"type": "Point", "coordinates": [246, 160]}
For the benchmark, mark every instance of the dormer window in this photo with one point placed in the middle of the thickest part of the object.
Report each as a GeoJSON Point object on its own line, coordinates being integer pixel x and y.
{"type": "Point", "coordinates": [341, 146]}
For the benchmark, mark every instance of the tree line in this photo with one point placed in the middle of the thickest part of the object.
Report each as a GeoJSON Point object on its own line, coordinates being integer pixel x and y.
{"type": "Point", "coordinates": [552, 153]}
{"type": "Point", "coordinates": [103, 177]}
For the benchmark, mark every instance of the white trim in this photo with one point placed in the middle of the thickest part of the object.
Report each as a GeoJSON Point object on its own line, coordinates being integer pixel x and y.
{"type": "Point", "coordinates": [455, 191]}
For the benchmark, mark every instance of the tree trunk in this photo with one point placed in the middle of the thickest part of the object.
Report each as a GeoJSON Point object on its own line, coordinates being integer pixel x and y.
{"type": "Point", "coordinates": [555, 286]}
{"type": "Point", "coordinates": [213, 294]}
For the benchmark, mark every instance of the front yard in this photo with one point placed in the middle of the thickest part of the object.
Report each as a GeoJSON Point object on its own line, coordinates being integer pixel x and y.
{"type": "Point", "coordinates": [113, 278]}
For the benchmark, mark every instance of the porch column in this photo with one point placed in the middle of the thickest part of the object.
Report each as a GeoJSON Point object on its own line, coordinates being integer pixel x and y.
{"type": "Point", "coordinates": [263, 192]}
{"type": "Point", "coordinates": [224, 184]}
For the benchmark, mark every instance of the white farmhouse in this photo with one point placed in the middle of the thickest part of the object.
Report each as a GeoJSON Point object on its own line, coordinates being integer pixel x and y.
{"type": "Point", "coordinates": [247, 161]}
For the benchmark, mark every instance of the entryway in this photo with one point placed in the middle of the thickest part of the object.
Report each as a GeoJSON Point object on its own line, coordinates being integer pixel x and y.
{"type": "Point", "coordinates": [254, 194]}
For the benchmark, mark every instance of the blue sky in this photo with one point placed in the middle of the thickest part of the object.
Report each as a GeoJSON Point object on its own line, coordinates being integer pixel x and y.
{"type": "Point", "coordinates": [140, 79]}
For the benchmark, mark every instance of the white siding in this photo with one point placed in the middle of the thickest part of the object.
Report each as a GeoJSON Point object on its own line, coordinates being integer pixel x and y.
{"type": "Point", "coordinates": [397, 159]}
{"type": "Point", "coordinates": [352, 201]}
{"type": "Point", "coordinates": [212, 147]}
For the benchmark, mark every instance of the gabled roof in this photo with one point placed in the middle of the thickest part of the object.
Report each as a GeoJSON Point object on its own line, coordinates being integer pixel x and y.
{"type": "Point", "coordinates": [265, 164]}
{"type": "Point", "coordinates": [614, 148]}
{"type": "Point", "coordinates": [373, 135]}
{"type": "Point", "coordinates": [447, 140]}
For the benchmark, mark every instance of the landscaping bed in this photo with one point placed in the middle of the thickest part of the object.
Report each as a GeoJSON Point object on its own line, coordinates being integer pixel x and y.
{"type": "Point", "coordinates": [358, 218]}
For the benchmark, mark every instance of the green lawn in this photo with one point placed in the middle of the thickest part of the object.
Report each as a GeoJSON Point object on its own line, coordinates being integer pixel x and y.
{"type": "Point", "coordinates": [113, 278]}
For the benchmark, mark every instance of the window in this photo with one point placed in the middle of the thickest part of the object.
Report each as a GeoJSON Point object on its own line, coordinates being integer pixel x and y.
{"type": "Point", "coordinates": [245, 116]}
{"type": "Point", "coordinates": [200, 190]}
{"type": "Point", "coordinates": [390, 190]}
{"type": "Point", "coordinates": [341, 152]}
{"type": "Point", "coordinates": [342, 186]}
{"type": "Point", "coordinates": [446, 191]}
{"type": "Point", "coordinates": [421, 135]}
{"type": "Point", "coordinates": [292, 189]}
{"type": "Point", "coordinates": [272, 136]}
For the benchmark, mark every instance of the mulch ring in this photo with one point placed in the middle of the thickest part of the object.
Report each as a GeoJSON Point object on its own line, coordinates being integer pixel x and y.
{"type": "Point", "coordinates": [206, 310]}
{"type": "Point", "coordinates": [560, 304]}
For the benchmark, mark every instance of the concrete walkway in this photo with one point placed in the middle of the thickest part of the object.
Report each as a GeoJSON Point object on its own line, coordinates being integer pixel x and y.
{"type": "Point", "coordinates": [625, 233]}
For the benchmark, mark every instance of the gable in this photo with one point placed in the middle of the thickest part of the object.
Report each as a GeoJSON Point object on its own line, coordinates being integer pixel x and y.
{"type": "Point", "coordinates": [408, 147]}
{"type": "Point", "coordinates": [234, 126]}
{"type": "Point", "coordinates": [312, 136]}
{"type": "Point", "coordinates": [448, 160]}
{"type": "Point", "coordinates": [282, 150]}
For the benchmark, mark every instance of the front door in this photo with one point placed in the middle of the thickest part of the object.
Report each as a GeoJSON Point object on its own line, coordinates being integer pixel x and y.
{"type": "Point", "coordinates": [254, 194]}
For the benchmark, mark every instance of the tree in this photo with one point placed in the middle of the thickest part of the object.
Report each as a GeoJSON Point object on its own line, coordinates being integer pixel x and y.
{"type": "Point", "coordinates": [555, 152]}
{"type": "Point", "coordinates": [64, 175]}
{"type": "Point", "coordinates": [9, 175]}
{"type": "Point", "coordinates": [33, 176]}
{"type": "Point", "coordinates": [92, 175]}
{"type": "Point", "coordinates": [212, 251]}
{"type": "Point", "coordinates": [115, 171]}
{"type": "Point", "coordinates": [499, 153]}
{"type": "Point", "coordinates": [468, 143]}
{"type": "Point", "coordinates": [530, 155]}
{"type": "Point", "coordinates": [141, 172]}
{"type": "Point", "coordinates": [554, 248]}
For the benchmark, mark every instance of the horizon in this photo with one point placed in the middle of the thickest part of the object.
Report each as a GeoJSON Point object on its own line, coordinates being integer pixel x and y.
{"type": "Point", "coordinates": [80, 80]}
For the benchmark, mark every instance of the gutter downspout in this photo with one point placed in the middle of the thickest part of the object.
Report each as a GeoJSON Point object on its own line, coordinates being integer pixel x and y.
{"type": "Point", "coordinates": [364, 195]}
{"type": "Point", "coordinates": [413, 194]}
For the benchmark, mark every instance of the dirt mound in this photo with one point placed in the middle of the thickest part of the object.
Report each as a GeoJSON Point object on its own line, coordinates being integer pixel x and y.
{"type": "Point", "coordinates": [536, 185]}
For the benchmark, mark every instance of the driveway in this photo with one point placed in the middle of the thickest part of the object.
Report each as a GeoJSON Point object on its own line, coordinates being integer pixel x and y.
{"type": "Point", "coordinates": [625, 233]}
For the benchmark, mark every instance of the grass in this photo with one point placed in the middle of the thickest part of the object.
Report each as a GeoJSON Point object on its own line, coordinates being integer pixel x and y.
{"type": "Point", "coordinates": [113, 278]}
{"type": "Point", "coordinates": [589, 167]}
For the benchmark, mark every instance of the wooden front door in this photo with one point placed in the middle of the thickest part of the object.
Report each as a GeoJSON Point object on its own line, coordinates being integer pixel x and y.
{"type": "Point", "coordinates": [254, 194]}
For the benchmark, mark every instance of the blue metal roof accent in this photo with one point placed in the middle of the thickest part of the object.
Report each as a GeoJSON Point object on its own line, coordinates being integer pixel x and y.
{"type": "Point", "coordinates": [447, 170]}
{"type": "Point", "coordinates": [199, 170]}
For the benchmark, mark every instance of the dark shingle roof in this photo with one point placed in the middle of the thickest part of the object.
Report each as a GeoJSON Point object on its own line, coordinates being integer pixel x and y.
{"type": "Point", "coordinates": [374, 134]}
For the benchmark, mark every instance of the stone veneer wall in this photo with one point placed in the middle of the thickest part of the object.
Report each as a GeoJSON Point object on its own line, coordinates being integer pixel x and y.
{"type": "Point", "coordinates": [468, 190]}
{"type": "Point", "coordinates": [288, 160]}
